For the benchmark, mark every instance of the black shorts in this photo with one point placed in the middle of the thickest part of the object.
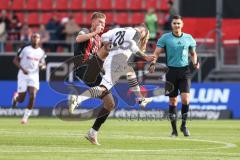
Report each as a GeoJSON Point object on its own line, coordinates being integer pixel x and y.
{"type": "Point", "coordinates": [81, 75]}
{"type": "Point", "coordinates": [89, 72]}
{"type": "Point", "coordinates": [180, 78]}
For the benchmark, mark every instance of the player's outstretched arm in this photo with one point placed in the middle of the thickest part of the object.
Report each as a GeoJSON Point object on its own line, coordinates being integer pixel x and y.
{"type": "Point", "coordinates": [156, 53]}
{"type": "Point", "coordinates": [84, 37]}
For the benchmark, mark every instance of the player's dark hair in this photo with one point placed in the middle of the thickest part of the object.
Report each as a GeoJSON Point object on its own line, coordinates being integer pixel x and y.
{"type": "Point", "coordinates": [98, 15]}
{"type": "Point", "coordinates": [177, 17]}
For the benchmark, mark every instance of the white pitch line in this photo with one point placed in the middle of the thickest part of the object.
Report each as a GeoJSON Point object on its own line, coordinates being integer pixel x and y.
{"type": "Point", "coordinates": [84, 150]}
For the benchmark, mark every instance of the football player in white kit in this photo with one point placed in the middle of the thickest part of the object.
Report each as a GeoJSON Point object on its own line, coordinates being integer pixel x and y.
{"type": "Point", "coordinates": [119, 44]}
{"type": "Point", "coordinates": [29, 59]}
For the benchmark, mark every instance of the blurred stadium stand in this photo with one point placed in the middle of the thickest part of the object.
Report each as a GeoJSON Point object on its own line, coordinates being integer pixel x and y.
{"type": "Point", "coordinates": [130, 13]}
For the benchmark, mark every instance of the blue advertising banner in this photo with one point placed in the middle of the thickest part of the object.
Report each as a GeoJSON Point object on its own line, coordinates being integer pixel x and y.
{"type": "Point", "coordinates": [204, 96]}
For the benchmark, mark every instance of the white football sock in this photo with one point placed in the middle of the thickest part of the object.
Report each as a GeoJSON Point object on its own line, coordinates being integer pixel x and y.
{"type": "Point", "coordinates": [27, 113]}
{"type": "Point", "coordinates": [93, 131]}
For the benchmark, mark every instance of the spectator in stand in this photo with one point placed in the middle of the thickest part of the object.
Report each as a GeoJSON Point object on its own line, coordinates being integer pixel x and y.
{"type": "Point", "coordinates": [4, 24]}
{"type": "Point", "coordinates": [14, 30]}
{"type": "Point", "coordinates": [52, 27]}
{"type": "Point", "coordinates": [5, 19]}
{"type": "Point", "coordinates": [3, 35]}
{"type": "Point", "coordinates": [171, 13]}
{"type": "Point", "coordinates": [151, 21]}
{"type": "Point", "coordinates": [26, 33]}
{"type": "Point", "coordinates": [44, 34]}
{"type": "Point", "coordinates": [61, 34]}
{"type": "Point", "coordinates": [71, 30]}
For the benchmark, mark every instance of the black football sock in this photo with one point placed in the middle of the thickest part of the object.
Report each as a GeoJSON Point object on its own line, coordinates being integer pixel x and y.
{"type": "Point", "coordinates": [102, 116]}
{"type": "Point", "coordinates": [184, 111]}
{"type": "Point", "coordinates": [173, 116]}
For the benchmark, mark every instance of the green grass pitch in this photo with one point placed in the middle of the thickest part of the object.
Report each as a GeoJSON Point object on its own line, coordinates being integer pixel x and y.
{"type": "Point", "coordinates": [53, 139]}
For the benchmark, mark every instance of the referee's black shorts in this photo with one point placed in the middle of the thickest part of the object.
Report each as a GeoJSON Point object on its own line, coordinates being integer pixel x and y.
{"type": "Point", "coordinates": [180, 78]}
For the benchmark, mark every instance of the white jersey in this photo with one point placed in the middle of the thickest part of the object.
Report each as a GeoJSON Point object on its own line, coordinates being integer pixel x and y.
{"type": "Point", "coordinates": [29, 60]}
{"type": "Point", "coordinates": [123, 41]}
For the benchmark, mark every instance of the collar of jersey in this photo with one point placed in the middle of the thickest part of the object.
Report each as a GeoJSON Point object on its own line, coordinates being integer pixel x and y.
{"type": "Point", "coordinates": [177, 36]}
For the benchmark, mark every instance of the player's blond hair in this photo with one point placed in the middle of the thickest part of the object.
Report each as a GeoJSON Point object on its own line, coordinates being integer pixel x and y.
{"type": "Point", "coordinates": [144, 38]}
{"type": "Point", "coordinates": [96, 15]}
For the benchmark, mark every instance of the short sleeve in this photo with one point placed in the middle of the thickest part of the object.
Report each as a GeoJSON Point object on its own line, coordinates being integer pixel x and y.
{"type": "Point", "coordinates": [106, 37]}
{"type": "Point", "coordinates": [44, 56]}
{"type": "Point", "coordinates": [193, 43]}
{"type": "Point", "coordinates": [83, 31]}
{"type": "Point", "coordinates": [161, 42]}
{"type": "Point", "coordinates": [20, 53]}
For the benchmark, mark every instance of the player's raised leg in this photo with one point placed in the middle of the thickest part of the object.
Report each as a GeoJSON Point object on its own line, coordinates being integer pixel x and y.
{"type": "Point", "coordinates": [135, 88]}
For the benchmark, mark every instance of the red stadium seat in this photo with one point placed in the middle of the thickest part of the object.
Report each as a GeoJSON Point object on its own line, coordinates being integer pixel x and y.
{"type": "Point", "coordinates": [21, 17]}
{"type": "Point", "coordinates": [32, 5]}
{"type": "Point", "coordinates": [136, 5]}
{"type": "Point", "coordinates": [8, 47]}
{"type": "Point", "coordinates": [17, 5]}
{"type": "Point", "coordinates": [79, 18]}
{"type": "Point", "coordinates": [164, 5]}
{"type": "Point", "coordinates": [137, 18]}
{"type": "Point", "coordinates": [61, 15]}
{"type": "Point", "coordinates": [47, 5]}
{"type": "Point", "coordinates": [46, 17]}
{"type": "Point", "coordinates": [91, 5]}
{"type": "Point", "coordinates": [122, 18]}
{"type": "Point", "coordinates": [5, 5]}
{"type": "Point", "coordinates": [76, 4]}
{"type": "Point", "coordinates": [88, 19]}
{"type": "Point", "coordinates": [105, 5]}
{"type": "Point", "coordinates": [62, 5]}
{"type": "Point", "coordinates": [33, 18]}
{"type": "Point", "coordinates": [151, 4]}
{"type": "Point", "coordinates": [121, 5]}
{"type": "Point", "coordinates": [109, 18]}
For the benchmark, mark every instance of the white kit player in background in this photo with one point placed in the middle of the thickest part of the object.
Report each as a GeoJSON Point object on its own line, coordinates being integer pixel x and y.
{"type": "Point", "coordinates": [29, 59]}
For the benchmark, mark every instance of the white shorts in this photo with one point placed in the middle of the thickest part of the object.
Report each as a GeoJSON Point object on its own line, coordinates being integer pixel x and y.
{"type": "Point", "coordinates": [24, 83]}
{"type": "Point", "coordinates": [115, 67]}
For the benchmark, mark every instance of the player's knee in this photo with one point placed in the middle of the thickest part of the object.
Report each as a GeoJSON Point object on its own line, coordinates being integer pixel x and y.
{"type": "Point", "coordinates": [131, 75]}
{"type": "Point", "coordinates": [185, 99]}
{"type": "Point", "coordinates": [173, 101]}
{"type": "Point", "coordinates": [110, 105]}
